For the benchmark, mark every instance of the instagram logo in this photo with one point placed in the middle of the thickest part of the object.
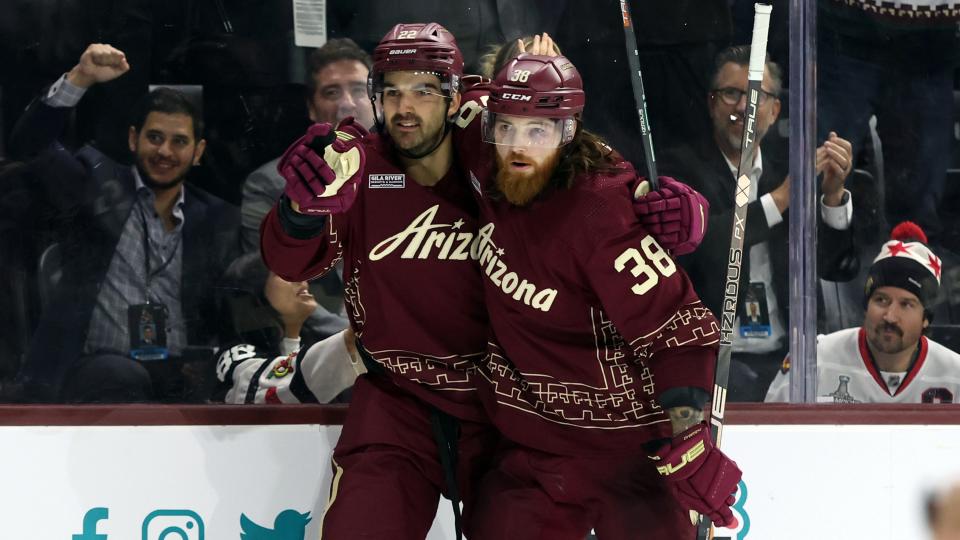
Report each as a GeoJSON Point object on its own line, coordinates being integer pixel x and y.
{"type": "Point", "coordinates": [173, 525]}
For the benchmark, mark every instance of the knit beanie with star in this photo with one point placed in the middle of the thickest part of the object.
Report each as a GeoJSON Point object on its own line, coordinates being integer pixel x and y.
{"type": "Point", "coordinates": [906, 262]}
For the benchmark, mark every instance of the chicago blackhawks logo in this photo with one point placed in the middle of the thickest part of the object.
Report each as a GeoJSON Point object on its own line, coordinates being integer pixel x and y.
{"type": "Point", "coordinates": [283, 367]}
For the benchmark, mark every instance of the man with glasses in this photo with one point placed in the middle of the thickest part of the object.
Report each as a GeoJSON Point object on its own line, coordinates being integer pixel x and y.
{"type": "Point", "coordinates": [709, 165]}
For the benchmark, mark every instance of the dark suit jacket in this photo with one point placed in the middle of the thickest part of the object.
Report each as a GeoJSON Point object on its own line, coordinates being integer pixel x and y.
{"type": "Point", "coordinates": [94, 196]}
{"type": "Point", "coordinates": [703, 167]}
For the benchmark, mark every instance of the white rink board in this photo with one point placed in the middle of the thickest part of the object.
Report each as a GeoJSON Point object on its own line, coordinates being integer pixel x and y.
{"type": "Point", "coordinates": [803, 482]}
{"type": "Point", "coordinates": [841, 482]}
{"type": "Point", "coordinates": [53, 475]}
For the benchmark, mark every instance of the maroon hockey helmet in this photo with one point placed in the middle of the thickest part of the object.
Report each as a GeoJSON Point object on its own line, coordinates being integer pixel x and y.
{"type": "Point", "coordinates": [533, 85]}
{"type": "Point", "coordinates": [546, 87]}
{"type": "Point", "coordinates": [418, 47]}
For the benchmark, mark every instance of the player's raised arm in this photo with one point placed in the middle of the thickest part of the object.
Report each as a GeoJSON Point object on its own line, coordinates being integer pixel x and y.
{"type": "Point", "coordinates": [302, 236]}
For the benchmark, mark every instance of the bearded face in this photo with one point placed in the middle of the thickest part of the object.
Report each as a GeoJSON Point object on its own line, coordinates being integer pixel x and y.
{"type": "Point", "coordinates": [522, 173]}
{"type": "Point", "coordinates": [894, 320]}
{"type": "Point", "coordinates": [165, 149]}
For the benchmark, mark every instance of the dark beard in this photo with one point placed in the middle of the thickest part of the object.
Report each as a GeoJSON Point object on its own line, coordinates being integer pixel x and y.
{"type": "Point", "coordinates": [520, 189]}
{"type": "Point", "coordinates": [876, 339]}
{"type": "Point", "coordinates": [160, 186]}
{"type": "Point", "coordinates": [427, 146]}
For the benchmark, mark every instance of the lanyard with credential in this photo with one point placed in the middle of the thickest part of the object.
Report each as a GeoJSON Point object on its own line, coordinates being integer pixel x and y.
{"type": "Point", "coordinates": [146, 253]}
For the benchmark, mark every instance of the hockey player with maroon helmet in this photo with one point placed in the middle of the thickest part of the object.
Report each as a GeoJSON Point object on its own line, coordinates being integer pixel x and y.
{"type": "Point", "coordinates": [602, 352]}
{"type": "Point", "coordinates": [393, 207]}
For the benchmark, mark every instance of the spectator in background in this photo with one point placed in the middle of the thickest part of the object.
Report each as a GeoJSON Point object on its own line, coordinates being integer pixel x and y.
{"type": "Point", "coordinates": [338, 83]}
{"type": "Point", "coordinates": [709, 164]}
{"type": "Point", "coordinates": [888, 359]}
{"type": "Point", "coordinates": [337, 88]}
{"type": "Point", "coordinates": [896, 62]}
{"type": "Point", "coordinates": [269, 356]}
{"type": "Point", "coordinates": [141, 251]}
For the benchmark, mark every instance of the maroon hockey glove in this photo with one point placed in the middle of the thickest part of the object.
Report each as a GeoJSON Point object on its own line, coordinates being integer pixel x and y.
{"type": "Point", "coordinates": [323, 168]}
{"type": "Point", "coordinates": [705, 478]}
{"type": "Point", "coordinates": [675, 214]}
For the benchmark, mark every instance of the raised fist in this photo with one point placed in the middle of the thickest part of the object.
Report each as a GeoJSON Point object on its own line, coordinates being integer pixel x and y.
{"type": "Point", "coordinates": [99, 63]}
{"type": "Point", "coordinates": [676, 214]}
{"type": "Point", "coordinates": [705, 477]}
{"type": "Point", "coordinates": [323, 168]}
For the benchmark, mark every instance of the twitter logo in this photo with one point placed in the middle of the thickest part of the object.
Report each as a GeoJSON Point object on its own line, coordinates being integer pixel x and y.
{"type": "Point", "coordinates": [288, 525]}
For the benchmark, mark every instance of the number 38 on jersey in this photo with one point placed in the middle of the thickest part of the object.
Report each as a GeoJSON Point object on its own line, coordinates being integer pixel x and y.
{"type": "Point", "coordinates": [649, 262]}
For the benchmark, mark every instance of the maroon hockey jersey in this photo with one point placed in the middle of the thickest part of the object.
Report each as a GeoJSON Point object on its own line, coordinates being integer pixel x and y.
{"type": "Point", "coordinates": [413, 294]}
{"type": "Point", "coordinates": [592, 320]}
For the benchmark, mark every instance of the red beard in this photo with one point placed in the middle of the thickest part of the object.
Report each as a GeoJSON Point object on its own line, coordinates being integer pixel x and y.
{"type": "Point", "coordinates": [522, 187]}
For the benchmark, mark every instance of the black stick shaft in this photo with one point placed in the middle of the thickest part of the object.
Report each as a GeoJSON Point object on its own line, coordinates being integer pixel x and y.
{"type": "Point", "coordinates": [758, 52]}
{"type": "Point", "coordinates": [639, 94]}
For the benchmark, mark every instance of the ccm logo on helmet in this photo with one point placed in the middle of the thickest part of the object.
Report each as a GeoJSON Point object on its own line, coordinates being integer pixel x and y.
{"type": "Point", "coordinates": [516, 97]}
{"type": "Point", "coordinates": [403, 51]}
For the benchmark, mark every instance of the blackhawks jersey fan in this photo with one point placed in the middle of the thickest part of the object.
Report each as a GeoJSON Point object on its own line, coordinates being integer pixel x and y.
{"type": "Point", "coordinates": [888, 359]}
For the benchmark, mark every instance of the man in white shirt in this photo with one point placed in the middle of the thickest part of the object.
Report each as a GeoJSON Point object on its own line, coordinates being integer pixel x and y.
{"type": "Point", "coordinates": [888, 359]}
{"type": "Point", "coordinates": [709, 165]}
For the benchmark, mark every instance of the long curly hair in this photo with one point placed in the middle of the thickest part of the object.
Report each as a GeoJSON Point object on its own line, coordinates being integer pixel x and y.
{"type": "Point", "coordinates": [586, 153]}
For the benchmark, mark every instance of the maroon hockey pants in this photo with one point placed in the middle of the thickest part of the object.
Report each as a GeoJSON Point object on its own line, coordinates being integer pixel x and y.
{"type": "Point", "coordinates": [387, 475]}
{"type": "Point", "coordinates": [532, 495]}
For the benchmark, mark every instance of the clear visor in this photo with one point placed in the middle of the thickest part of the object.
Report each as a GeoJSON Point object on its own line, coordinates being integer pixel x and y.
{"type": "Point", "coordinates": [396, 94]}
{"type": "Point", "coordinates": [421, 91]}
{"type": "Point", "coordinates": [533, 131]}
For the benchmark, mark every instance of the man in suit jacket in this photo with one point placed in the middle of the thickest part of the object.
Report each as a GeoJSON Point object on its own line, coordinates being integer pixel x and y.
{"type": "Point", "coordinates": [141, 251]}
{"type": "Point", "coordinates": [709, 165]}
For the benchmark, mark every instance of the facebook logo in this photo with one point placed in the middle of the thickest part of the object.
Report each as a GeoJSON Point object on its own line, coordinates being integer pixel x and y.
{"type": "Point", "coordinates": [90, 520]}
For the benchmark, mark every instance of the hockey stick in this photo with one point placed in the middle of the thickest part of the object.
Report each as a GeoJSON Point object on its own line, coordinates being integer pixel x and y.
{"type": "Point", "coordinates": [758, 53]}
{"type": "Point", "coordinates": [639, 94]}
